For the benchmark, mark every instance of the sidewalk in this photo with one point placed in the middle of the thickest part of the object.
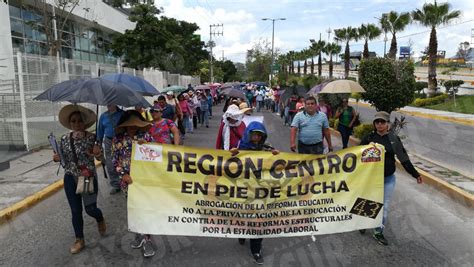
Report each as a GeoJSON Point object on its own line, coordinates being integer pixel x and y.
{"type": "Point", "coordinates": [27, 175]}
{"type": "Point", "coordinates": [465, 119]}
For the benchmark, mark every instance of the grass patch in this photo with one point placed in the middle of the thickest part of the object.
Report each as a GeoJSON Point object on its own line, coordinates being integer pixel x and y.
{"type": "Point", "coordinates": [464, 104]}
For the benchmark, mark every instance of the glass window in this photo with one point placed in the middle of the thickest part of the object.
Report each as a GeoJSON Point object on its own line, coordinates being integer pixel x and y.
{"type": "Point", "coordinates": [93, 57]}
{"type": "Point", "coordinates": [16, 27]}
{"type": "Point", "coordinates": [14, 11]}
{"type": "Point", "coordinates": [30, 15]}
{"type": "Point", "coordinates": [77, 42]}
{"type": "Point", "coordinates": [66, 52]}
{"type": "Point", "coordinates": [68, 27]}
{"type": "Point", "coordinates": [93, 46]}
{"type": "Point", "coordinates": [77, 54]}
{"type": "Point", "coordinates": [18, 45]}
{"type": "Point", "coordinates": [85, 56]}
{"type": "Point", "coordinates": [67, 39]}
{"type": "Point", "coordinates": [29, 31]}
{"type": "Point", "coordinates": [43, 49]}
{"type": "Point", "coordinates": [40, 33]}
{"type": "Point", "coordinates": [76, 29]}
{"type": "Point", "coordinates": [84, 44]}
{"type": "Point", "coordinates": [31, 47]}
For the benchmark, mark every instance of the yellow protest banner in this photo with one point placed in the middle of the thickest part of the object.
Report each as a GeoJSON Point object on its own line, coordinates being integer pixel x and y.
{"type": "Point", "coordinates": [190, 191]}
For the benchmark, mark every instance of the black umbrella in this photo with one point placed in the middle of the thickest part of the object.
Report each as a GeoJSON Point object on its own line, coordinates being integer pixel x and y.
{"type": "Point", "coordinates": [298, 90]}
{"type": "Point", "coordinates": [94, 91]}
{"type": "Point", "coordinates": [234, 93]}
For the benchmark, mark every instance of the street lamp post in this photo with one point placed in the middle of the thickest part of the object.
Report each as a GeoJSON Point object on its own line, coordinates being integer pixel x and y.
{"type": "Point", "coordinates": [273, 38]}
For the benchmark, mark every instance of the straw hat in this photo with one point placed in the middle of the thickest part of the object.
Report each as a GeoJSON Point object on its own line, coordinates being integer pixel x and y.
{"type": "Point", "coordinates": [88, 116]}
{"type": "Point", "coordinates": [244, 108]}
{"type": "Point", "coordinates": [134, 120]}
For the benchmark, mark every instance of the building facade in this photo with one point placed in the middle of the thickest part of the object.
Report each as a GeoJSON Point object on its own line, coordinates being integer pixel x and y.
{"type": "Point", "coordinates": [86, 34]}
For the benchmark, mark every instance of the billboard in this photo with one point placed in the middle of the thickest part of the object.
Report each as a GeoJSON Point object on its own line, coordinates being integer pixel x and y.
{"type": "Point", "coordinates": [405, 51]}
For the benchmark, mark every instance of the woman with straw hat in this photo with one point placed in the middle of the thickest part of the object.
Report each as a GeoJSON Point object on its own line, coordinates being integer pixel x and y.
{"type": "Point", "coordinates": [131, 128]}
{"type": "Point", "coordinates": [77, 150]}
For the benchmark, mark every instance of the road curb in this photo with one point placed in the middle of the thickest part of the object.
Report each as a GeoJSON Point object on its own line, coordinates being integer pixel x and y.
{"type": "Point", "coordinates": [455, 193]}
{"type": "Point", "coordinates": [427, 116]}
{"type": "Point", "coordinates": [11, 212]}
{"type": "Point", "coordinates": [14, 210]}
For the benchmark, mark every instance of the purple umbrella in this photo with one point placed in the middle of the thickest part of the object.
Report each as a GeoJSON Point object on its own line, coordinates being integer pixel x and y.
{"type": "Point", "coordinates": [316, 89]}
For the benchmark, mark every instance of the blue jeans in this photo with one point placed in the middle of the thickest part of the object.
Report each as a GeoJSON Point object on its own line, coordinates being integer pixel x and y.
{"type": "Point", "coordinates": [204, 117]}
{"type": "Point", "coordinates": [75, 203]}
{"type": "Point", "coordinates": [345, 133]}
{"type": "Point", "coordinates": [389, 186]}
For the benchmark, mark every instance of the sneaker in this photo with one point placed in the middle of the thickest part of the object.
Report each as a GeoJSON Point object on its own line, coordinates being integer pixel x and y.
{"type": "Point", "coordinates": [77, 246]}
{"type": "Point", "coordinates": [114, 191]}
{"type": "Point", "coordinates": [207, 126]}
{"type": "Point", "coordinates": [138, 242]}
{"type": "Point", "coordinates": [380, 238]}
{"type": "Point", "coordinates": [148, 249]}
{"type": "Point", "coordinates": [241, 241]}
{"type": "Point", "coordinates": [258, 258]}
{"type": "Point", "coordinates": [102, 227]}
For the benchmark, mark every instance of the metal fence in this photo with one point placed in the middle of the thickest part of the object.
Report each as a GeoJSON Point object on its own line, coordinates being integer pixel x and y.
{"type": "Point", "coordinates": [25, 123]}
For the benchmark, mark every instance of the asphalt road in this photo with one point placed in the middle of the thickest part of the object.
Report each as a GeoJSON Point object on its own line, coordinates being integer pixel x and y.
{"type": "Point", "coordinates": [447, 144]}
{"type": "Point", "coordinates": [425, 228]}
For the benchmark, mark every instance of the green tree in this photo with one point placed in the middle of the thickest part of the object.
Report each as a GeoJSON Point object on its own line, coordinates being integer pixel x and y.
{"type": "Point", "coordinates": [332, 49]}
{"type": "Point", "coordinates": [368, 32]}
{"type": "Point", "coordinates": [204, 72]}
{"type": "Point", "coordinates": [394, 22]}
{"type": "Point", "coordinates": [160, 42]}
{"type": "Point", "coordinates": [318, 48]}
{"type": "Point", "coordinates": [346, 35]}
{"type": "Point", "coordinates": [388, 84]}
{"type": "Point", "coordinates": [229, 70]}
{"type": "Point", "coordinates": [258, 61]}
{"type": "Point", "coordinates": [432, 16]}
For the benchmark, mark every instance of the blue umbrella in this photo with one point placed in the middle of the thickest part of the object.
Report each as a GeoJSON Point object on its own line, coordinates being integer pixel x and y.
{"type": "Point", "coordinates": [95, 91]}
{"type": "Point", "coordinates": [136, 83]}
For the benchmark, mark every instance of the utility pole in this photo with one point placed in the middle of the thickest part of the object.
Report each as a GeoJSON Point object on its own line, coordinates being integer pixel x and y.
{"type": "Point", "coordinates": [223, 55]}
{"type": "Point", "coordinates": [273, 38]}
{"type": "Point", "coordinates": [329, 33]}
{"type": "Point", "coordinates": [214, 31]}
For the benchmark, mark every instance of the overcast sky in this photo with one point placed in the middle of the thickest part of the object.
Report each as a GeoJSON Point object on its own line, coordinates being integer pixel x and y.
{"type": "Point", "coordinates": [307, 20]}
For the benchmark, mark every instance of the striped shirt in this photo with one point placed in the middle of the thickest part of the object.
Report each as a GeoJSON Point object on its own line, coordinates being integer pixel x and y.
{"type": "Point", "coordinates": [310, 128]}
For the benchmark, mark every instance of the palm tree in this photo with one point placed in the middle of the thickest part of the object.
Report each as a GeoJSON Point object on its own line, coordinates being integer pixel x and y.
{"type": "Point", "coordinates": [318, 47]}
{"type": "Point", "coordinates": [291, 57]}
{"type": "Point", "coordinates": [298, 57]}
{"type": "Point", "coordinates": [346, 35]}
{"type": "Point", "coordinates": [394, 22]}
{"type": "Point", "coordinates": [331, 49]}
{"type": "Point", "coordinates": [434, 15]}
{"type": "Point", "coordinates": [368, 32]}
{"type": "Point", "coordinates": [305, 53]}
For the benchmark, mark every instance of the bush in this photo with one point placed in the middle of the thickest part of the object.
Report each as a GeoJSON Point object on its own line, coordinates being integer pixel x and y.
{"type": "Point", "coordinates": [421, 102]}
{"type": "Point", "coordinates": [309, 81]}
{"type": "Point", "coordinates": [363, 130]}
{"type": "Point", "coordinates": [389, 84]}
